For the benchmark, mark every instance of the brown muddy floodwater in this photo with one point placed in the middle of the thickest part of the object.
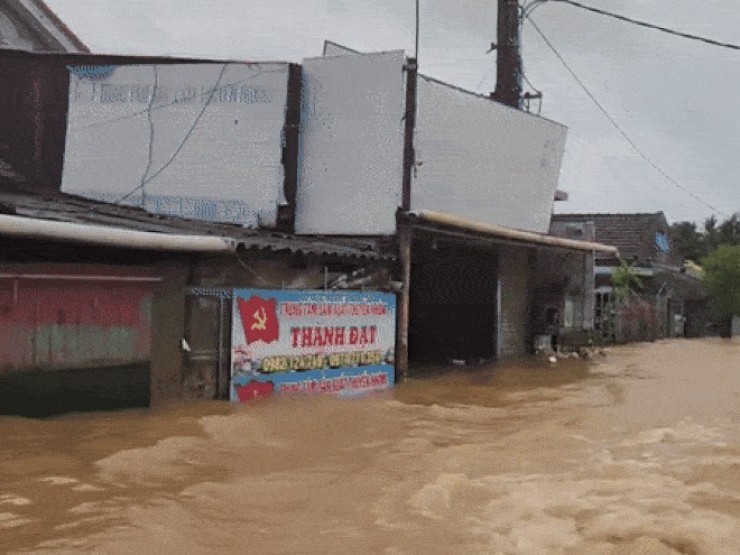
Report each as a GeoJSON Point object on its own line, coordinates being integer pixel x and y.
{"type": "Point", "coordinates": [637, 454]}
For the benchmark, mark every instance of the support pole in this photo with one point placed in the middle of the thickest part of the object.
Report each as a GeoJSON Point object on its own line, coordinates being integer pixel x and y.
{"type": "Point", "coordinates": [409, 155]}
{"type": "Point", "coordinates": [508, 61]}
{"type": "Point", "coordinates": [405, 237]}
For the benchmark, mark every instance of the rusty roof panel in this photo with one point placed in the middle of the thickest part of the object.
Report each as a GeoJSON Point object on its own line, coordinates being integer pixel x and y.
{"type": "Point", "coordinates": [45, 205]}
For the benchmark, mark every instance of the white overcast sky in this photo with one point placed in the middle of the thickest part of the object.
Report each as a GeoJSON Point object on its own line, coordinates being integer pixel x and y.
{"type": "Point", "coordinates": [676, 99]}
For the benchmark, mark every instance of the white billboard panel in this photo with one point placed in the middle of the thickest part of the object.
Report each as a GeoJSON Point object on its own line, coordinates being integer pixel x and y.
{"type": "Point", "coordinates": [351, 153]}
{"type": "Point", "coordinates": [484, 161]}
{"type": "Point", "coordinates": [202, 141]}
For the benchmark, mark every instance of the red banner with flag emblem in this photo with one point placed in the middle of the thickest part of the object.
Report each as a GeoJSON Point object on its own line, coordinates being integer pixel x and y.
{"type": "Point", "coordinates": [259, 319]}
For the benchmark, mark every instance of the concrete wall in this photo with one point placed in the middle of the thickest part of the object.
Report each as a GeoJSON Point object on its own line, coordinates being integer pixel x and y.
{"type": "Point", "coordinates": [566, 278]}
{"type": "Point", "coordinates": [168, 317]}
{"type": "Point", "coordinates": [514, 278]}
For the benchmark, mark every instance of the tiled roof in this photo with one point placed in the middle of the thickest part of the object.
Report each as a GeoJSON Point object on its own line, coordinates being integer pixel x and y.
{"type": "Point", "coordinates": [632, 234]}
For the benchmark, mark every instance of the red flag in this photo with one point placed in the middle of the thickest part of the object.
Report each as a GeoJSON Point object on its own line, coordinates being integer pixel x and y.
{"type": "Point", "coordinates": [259, 319]}
{"type": "Point", "coordinates": [254, 390]}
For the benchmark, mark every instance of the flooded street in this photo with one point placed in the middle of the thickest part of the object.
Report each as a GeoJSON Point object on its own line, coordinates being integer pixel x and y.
{"type": "Point", "coordinates": [638, 453]}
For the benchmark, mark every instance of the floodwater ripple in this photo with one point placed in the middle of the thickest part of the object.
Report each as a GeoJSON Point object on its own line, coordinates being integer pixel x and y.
{"type": "Point", "coordinates": [636, 453]}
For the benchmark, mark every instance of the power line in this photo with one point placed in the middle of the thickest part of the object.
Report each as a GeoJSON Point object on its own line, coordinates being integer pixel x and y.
{"type": "Point", "coordinates": [617, 126]}
{"type": "Point", "coordinates": [151, 136]}
{"type": "Point", "coordinates": [167, 164]}
{"type": "Point", "coordinates": [416, 36]}
{"type": "Point", "coordinates": [648, 25]}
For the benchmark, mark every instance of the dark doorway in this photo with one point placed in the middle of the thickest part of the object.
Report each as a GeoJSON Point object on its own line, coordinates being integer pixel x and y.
{"type": "Point", "coordinates": [452, 301]}
{"type": "Point", "coordinates": [40, 393]}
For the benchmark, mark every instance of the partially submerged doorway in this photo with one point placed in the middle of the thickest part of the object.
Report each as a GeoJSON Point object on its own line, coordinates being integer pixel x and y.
{"type": "Point", "coordinates": [453, 300]}
{"type": "Point", "coordinates": [207, 342]}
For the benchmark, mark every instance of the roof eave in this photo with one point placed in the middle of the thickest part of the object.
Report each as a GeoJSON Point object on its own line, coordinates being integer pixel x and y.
{"type": "Point", "coordinates": [445, 220]}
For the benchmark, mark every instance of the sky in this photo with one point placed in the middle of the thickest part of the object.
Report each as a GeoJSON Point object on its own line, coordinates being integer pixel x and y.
{"type": "Point", "coordinates": [674, 98]}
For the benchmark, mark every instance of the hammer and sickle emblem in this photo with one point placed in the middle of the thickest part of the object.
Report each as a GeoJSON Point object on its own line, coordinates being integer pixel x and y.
{"type": "Point", "coordinates": [260, 319]}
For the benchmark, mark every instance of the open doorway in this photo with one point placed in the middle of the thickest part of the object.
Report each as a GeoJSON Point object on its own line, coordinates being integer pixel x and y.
{"type": "Point", "coordinates": [453, 297]}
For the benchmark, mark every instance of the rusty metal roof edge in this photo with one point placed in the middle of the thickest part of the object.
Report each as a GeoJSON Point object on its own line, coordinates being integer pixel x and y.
{"type": "Point", "coordinates": [44, 205]}
{"type": "Point", "coordinates": [525, 237]}
{"type": "Point", "coordinates": [298, 245]}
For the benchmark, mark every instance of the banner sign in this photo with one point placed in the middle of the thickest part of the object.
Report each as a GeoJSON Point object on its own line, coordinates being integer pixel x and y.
{"type": "Point", "coordinates": [287, 341]}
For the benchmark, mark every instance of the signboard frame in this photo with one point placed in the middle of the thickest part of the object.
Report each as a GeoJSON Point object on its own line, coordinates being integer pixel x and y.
{"type": "Point", "coordinates": [311, 342]}
{"type": "Point", "coordinates": [160, 135]}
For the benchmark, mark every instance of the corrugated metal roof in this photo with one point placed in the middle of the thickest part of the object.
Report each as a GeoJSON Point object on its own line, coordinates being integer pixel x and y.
{"type": "Point", "coordinates": [24, 200]}
{"type": "Point", "coordinates": [313, 246]}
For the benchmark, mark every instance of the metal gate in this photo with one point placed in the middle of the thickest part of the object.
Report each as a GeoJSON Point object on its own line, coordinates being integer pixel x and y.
{"type": "Point", "coordinates": [605, 315]}
{"type": "Point", "coordinates": [207, 342]}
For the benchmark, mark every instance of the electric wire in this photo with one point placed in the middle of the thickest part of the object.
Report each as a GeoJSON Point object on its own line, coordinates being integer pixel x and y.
{"type": "Point", "coordinates": [647, 25]}
{"type": "Point", "coordinates": [155, 90]}
{"type": "Point", "coordinates": [614, 123]}
{"type": "Point", "coordinates": [416, 36]}
{"type": "Point", "coordinates": [529, 7]}
{"type": "Point", "coordinates": [173, 102]}
{"type": "Point", "coordinates": [182, 143]}
{"type": "Point", "coordinates": [524, 10]}
{"type": "Point", "coordinates": [538, 92]}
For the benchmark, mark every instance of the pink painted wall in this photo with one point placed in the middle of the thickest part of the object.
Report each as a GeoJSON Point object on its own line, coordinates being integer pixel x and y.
{"type": "Point", "coordinates": [72, 321]}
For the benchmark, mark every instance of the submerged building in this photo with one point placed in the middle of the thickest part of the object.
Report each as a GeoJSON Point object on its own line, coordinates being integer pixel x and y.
{"type": "Point", "coordinates": [175, 214]}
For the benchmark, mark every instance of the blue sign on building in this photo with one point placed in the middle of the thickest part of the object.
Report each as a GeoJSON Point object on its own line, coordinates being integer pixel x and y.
{"type": "Point", "coordinates": [287, 341]}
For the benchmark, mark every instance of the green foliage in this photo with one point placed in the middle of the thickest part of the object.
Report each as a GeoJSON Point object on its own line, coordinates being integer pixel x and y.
{"type": "Point", "coordinates": [625, 280]}
{"type": "Point", "coordinates": [688, 241]}
{"type": "Point", "coordinates": [695, 244]}
{"type": "Point", "coordinates": [722, 279]}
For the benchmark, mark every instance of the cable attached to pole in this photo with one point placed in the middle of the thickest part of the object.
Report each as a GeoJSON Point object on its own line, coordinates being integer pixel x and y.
{"type": "Point", "coordinates": [616, 126]}
{"type": "Point", "coordinates": [648, 25]}
{"type": "Point", "coordinates": [416, 40]}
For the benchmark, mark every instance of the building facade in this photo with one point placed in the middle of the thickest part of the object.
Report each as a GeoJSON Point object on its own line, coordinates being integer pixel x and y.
{"type": "Point", "coordinates": [197, 179]}
{"type": "Point", "coordinates": [664, 299]}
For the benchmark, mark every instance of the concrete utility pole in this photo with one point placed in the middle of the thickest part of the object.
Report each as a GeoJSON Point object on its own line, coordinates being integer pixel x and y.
{"type": "Point", "coordinates": [508, 61]}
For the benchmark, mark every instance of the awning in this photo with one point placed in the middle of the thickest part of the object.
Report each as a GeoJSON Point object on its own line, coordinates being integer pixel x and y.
{"type": "Point", "coordinates": [442, 222]}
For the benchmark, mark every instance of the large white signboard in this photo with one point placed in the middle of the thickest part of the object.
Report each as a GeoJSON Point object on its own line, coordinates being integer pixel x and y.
{"type": "Point", "coordinates": [484, 161]}
{"type": "Point", "coordinates": [351, 163]}
{"type": "Point", "coordinates": [202, 141]}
